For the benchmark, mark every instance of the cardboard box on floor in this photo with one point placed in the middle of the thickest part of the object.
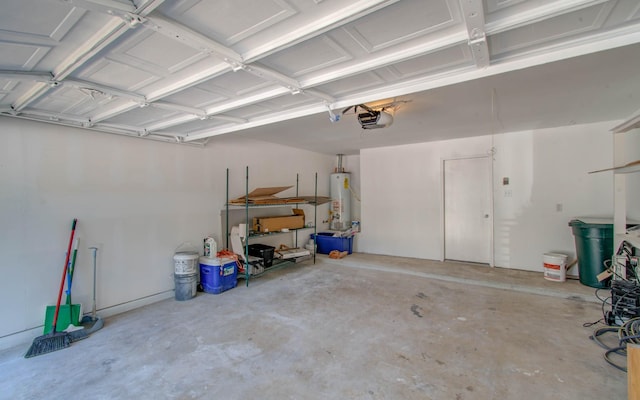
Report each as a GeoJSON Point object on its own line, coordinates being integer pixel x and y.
{"type": "Point", "coordinates": [276, 224]}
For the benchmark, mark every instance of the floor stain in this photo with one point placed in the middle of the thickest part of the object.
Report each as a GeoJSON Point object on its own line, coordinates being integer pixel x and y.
{"type": "Point", "coordinates": [422, 296]}
{"type": "Point", "coordinates": [415, 309]}
{"type": "Point", "coordinates": [107, 364]}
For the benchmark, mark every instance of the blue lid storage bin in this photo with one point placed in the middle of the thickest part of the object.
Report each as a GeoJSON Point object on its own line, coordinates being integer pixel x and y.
{"type": "Point", "coordinates": [326, 243]}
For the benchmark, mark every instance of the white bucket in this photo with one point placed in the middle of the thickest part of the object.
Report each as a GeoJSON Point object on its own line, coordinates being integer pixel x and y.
{"type": "Point", "coordinates": [186, 286]}
{"type": "Point", "coordinates": [186, 263]}
{"type": "Point", "coordinates": [555, 267]}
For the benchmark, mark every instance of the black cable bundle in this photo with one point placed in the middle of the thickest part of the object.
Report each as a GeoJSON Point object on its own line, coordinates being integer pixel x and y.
{"type": "Point", "coordinates": [629, 332]}
{"type": "Point", "coordinates": [625, 302]}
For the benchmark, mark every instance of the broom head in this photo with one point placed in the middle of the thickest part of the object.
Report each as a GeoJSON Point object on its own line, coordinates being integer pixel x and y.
{"type": "Point", "coordinates": [47, 343]}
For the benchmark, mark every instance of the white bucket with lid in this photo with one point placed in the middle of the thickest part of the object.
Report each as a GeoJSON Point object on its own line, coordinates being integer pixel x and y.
{"type": "Point", "coordinates": [186, 263]}
{"type": "Point", "coordinates": [555, 267]}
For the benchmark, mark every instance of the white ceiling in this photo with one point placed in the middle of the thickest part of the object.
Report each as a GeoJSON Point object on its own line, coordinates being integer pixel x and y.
{"type": "Point", "coordinates": [198, 71]}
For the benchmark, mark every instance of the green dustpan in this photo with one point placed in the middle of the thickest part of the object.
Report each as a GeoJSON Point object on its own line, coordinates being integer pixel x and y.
{"type": "Point", "coordinates": [69, 314]}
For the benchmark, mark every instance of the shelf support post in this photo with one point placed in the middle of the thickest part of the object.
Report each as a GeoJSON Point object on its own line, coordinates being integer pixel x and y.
{"type": "Point", "coordinates": [226, 209]}
{"type": "Point", "coordinates": [620, 186]}
{"type": "Point", "coordinates": [315, 218]}
{"type": "Point", "coordinates": [295, 244]}
{"type": "Point", "coordinates": [246, 228]}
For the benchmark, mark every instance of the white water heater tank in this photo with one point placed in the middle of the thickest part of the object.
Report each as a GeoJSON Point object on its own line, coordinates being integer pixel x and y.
{"type": "Point", "coordinates": [340, 201]}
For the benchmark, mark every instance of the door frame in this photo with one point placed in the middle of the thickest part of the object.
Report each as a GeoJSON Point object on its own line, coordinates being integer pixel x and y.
{"type": "Point", "coordinates": [489, 158]}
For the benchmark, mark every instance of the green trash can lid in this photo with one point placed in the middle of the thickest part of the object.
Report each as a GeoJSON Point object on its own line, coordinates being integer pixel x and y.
{"type": "Point", "coordinates": [585, 221]}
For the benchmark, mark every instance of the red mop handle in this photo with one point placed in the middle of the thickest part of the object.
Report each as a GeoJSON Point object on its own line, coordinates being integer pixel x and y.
{"type": "Point", "coordinates": [64, 275]}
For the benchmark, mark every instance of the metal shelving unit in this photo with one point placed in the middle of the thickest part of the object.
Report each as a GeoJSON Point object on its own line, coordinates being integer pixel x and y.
{"type": "Point", "coordinates": [624, 171]}
{"type": "Point", "coordinates": [248, 235]}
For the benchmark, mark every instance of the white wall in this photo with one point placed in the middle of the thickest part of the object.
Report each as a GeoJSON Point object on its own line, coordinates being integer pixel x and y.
{"type": "Point", "coordinates": [137, 200]}
{"type": "Point", "coordinates": [402, 192]}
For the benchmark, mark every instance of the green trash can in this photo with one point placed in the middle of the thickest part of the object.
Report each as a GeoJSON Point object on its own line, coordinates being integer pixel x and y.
{"type": "Point", "coordinates": [594, 245]}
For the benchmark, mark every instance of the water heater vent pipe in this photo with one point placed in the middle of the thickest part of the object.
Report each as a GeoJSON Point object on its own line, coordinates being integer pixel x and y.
{"type": "Point", "coordinates": [339, 169]}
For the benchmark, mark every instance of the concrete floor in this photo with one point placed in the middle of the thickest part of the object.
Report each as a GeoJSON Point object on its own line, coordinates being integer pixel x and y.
{"type": "Point", "coordinates": [365, 327]}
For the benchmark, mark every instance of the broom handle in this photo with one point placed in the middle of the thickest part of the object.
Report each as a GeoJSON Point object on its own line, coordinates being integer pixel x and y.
{"type": "Point", "coordinates": [64, 275]}
{"type": "Point", "coordinates": [93, 310]}
{"type": "Point", "coordinates": [71, 269]}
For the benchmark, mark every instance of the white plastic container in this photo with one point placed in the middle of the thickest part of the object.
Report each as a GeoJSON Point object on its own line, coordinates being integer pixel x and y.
{"type": "Point", "coordinates": [555, 267]}
{"type": "Point", "coordinates": [186, 263]}
{"type": "Point", "coordinates": [210, 247]}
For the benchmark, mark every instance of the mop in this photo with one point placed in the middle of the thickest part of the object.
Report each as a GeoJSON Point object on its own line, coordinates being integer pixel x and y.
{"type": "Point", "coordinates": [90, 323]}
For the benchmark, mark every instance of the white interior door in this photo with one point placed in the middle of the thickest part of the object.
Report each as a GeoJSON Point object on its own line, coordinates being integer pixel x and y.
{"type": "Point", "coordinates": [467, 209]}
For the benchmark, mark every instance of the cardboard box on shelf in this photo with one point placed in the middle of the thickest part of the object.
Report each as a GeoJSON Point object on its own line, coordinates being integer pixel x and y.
{"type": "Point", "coordinates": [266, 196]}
{"type": "Point", "coordinates": [278, 223]}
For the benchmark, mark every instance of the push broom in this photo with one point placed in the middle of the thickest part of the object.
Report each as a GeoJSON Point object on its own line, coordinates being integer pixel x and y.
{"type": "Point", "coordinates": [54, 340]}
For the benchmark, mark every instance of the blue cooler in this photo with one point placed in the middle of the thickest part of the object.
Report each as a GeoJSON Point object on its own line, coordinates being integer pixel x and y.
{"type": "Point", "coordinates": [218, 274]}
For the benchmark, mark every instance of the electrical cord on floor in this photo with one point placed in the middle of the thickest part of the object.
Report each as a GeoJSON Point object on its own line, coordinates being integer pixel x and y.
{"type": "Point", "coordinates": [618, 350]}
{"type": "Point", "coordinates": [605, 302]}
{"type": "Point", "coordinates": [629, 332]}
{"type": "Point", "coordinates": [608, 350]}
{"type": "Point", "coordinates": [590, 324]}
